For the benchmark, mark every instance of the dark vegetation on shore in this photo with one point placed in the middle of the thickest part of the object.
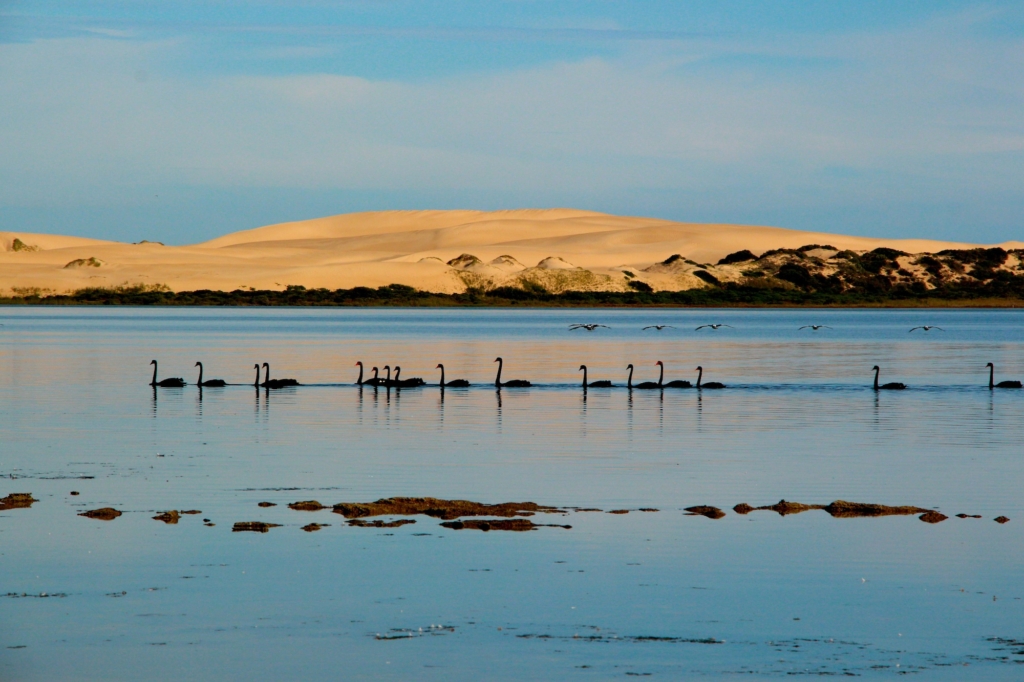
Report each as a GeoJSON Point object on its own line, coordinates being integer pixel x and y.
{"type": "Point", "coordinates": [975, 277]}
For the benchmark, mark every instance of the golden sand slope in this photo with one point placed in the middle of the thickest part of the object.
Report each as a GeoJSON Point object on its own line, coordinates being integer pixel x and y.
{"type": "Point", "coordinates": [574, 249]}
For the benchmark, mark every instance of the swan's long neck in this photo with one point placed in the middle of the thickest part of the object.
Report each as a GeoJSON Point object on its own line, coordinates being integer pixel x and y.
{"type": "Point", "coordinates": [876, 378]}
{"type": "Point", "coordinates": [388, 368]}
{"type": "Point", "coordinates": [398, 370]}
{"type": "Point", "coordinates": [661, 375]}
{"type": "Point", "coordinates": [375, 373]}
{"type": "Point", "coordinates": [584, 376]}
{"type": "Point", "coordinates": [991, 376]}
{"type": "Point", "coordinates": [700, 375]}
{"type": "Point", "coordinates": [257, 382]}
{"type": "Point", "coordinates": [359, 381]}
{"type": "Point", "coordinates": [629, 380]}
{"type": "Point", "coordinates": [153, 382]}
{"type": "Point", "coordinates": [200, 374]}
{"type": "Point", "coordinates": [497, 379]}
{"type": "Point", "coordinates": [266, 377]}
{"type": "Point", "coordinates": [442, 375]}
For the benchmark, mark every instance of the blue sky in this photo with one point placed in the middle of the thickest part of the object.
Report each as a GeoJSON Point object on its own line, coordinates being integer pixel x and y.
{"type": "Point", "coordinates": [181, 121]}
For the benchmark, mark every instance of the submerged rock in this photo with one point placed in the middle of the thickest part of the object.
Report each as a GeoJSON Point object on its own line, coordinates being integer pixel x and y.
{"type": "Point", "coordinates": [441, 509]}
{"type": "Point", "coordinates": [103, 514]}
{"type": "Point", "coordinates": [1001, 519]}
{"type": "Point", "coordinates": [253, 526]}
{"type": "Point", "coordinates": [16, 501]}
{"type": "Point", "coordinates": [619, 511]}
{"type": "Point", "coordinates": [968, 516]}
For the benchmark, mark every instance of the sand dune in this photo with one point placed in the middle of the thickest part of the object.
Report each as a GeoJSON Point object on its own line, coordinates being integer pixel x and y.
{"type": "Point", "coordinates": [558, 248]}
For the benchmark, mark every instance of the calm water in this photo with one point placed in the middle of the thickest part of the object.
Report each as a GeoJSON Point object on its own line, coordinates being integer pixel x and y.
{"type": "Point", "coordinates": [618, 595]}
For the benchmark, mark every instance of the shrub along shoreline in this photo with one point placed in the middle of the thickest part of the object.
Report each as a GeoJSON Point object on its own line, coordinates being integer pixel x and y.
{"type": "Point", "coordinates": [991, 295]}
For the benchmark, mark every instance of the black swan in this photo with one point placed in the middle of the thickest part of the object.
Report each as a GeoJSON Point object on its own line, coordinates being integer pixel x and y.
{"type": "Point", "coordinates": [454, 383]}
{"type": "Point", "coordinates": [407, 383]}
{"type": "Point", "coordinates": [1001, 384]}
{"type": "Point", "coordinates": [212, 382]}
{"type": "Point", "coordinates": [710, 384]}
{"type": "Point", "coordinates": [678, 383]}
{"type": "Point", "coordinates": [646, 384]}
{"type": "Point", "coordinates": [174, 382]}
{"type": "Point", "coordinates": [359, 381]}
{"type": "Point", "coordinates": [276, 383]}
{"type": "Point", "coordinates": [257, 366]}
{"type": "Point", "coordinates": [374, 380]}
{"type": "Point", "coordinates": [386, 381]}
{"type": "Point", "coordinates": [515, 383]}
{"type": "Point", "coordinates": [595, 384]}
{"type": "Point", "coordinates": [894, 386]}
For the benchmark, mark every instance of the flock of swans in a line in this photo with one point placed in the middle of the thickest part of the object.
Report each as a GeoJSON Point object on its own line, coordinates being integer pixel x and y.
{"type": "Point", "coordinates": [398, 382]}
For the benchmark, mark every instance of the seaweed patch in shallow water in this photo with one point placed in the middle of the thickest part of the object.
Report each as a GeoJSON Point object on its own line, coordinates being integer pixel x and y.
{"type": "Point", "coordinates": [441, 509]}
{"type": "Point", "coordinates": [841, 509]}
{"type": "Point", "coordinates": [499, 524]}
{"type": "Point", "coordinates": [16, 501]}
{"type": "Point", "coordinates": [307, 505]}
{"type": "Point", "coordinates": [359, 523]}
{"type": "Point", "coordinates": [253, 526]}
{"type": "Point", "coordinates": [169, 517]}
{"type": "Point", "coordinates": [705, 510]}
{"type": "Point", "coordinates": [313, 527]}
{"type": "Point", "coordinates": [103, 514]}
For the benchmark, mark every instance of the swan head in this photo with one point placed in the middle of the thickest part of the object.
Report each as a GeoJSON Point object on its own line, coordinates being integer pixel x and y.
{"type": "Point", "coordinates": [659, 362]}
{"type": "Point", "coordinates": [875, 368]}
{"type": "Point", "coordinates": [629, 366]}
{"type": "Point", "coordinates": [699, 369]}
{"type": "Point", "coordinates": [266, 364]}
{"type": "Point", "coordinates": [582, 367]}
{"type": "Point", "coordinates": [152, 362]}
{"type": "Point", "coordinates": [359, 363]}
{"type": "Point", "coordinates": [497, 359]}
{"type": "Point", "coordinates": [990, 365]}
{"type": "Point", "coordinates": [439, 367]}
{"type": "Point", "coordinates": [198, 364]}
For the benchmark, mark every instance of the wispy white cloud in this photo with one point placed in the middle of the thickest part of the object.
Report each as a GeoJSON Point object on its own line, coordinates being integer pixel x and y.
{"type": "Point", "coordinates": [904, 117]}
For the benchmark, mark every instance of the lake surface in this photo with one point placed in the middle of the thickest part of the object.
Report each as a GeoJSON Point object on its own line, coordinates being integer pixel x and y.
{"type": "Point", "coordinates": [661, 594]}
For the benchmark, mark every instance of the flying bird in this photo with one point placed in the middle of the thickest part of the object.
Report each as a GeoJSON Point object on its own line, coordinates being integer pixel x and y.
{"type": "Point", "coordinates": [714, 326]}
{"type": "Point", "coordinates": [815, 327]}
{"type": "Point", "coordinates": [928, 328]}
{"type": "Point", "coordinates": [588, 327]}
{"type": "Point", "coordinates": [659, 327]}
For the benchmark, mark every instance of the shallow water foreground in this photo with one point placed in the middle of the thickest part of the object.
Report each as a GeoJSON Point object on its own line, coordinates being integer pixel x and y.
{"type": "Point", "coordinates": [663, 593]}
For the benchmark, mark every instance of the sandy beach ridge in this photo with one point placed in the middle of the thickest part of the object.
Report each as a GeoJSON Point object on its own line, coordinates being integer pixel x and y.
{"type": "Point", "coordinates": [439, 251]}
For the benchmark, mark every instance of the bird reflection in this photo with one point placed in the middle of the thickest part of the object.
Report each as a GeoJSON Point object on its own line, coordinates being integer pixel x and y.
{"type": "Point", "coordinates": [497, 395]}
